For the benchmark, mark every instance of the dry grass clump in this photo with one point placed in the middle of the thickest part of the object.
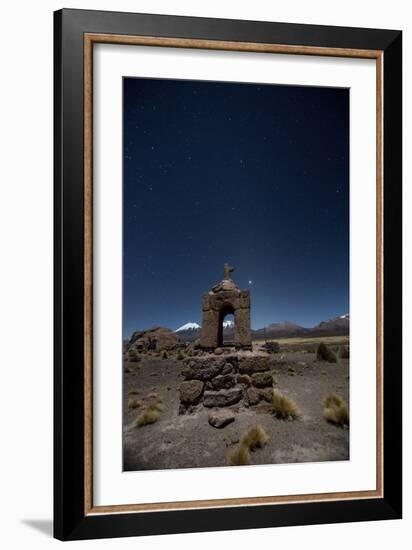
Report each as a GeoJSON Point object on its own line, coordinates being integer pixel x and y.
{"type": "Point", "coordinates": [150, 415]}
{"type": "Point", "coordinates": [147, 417]}
{"type": "Point", "coordinates": [155, 401]}
{"type": "Point", "coordinates": [134, 403]}
{"type": "Point", "coordinates": [335, 410]}
{"type": "Point", "coordinates": [155, 406]}
{"type": "Point", "coordinates": [133, 392]}
{"type": "Point", "coordinates": [239, 456]}
{"type": "Point", "coordinates": [283, 406]}
{"type": "Point", "coordinates": [324, 353]}
{"type": "Point", "coordinates": [255, 437]}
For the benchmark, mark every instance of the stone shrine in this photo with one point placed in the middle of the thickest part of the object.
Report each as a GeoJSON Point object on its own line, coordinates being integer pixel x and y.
{"type": "Point", "coordinates": [226, 298]}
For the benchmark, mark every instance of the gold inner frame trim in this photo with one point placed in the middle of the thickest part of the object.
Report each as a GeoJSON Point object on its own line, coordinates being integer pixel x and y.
{"type": "Point", "coordinates": [89, 40]}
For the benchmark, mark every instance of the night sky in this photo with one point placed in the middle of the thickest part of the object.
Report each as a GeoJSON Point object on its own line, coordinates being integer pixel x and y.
{"type": "Point", "coordinates": [254, 175]}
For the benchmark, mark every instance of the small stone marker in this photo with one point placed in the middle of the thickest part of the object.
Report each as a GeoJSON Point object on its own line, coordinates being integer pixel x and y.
{"type": "Point", "coordinates": [220, 419]}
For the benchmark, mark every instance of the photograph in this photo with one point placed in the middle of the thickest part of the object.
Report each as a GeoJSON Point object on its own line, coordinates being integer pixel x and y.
{"type": "Point", "coordinates": [227, 273]}
{"type": "Point", "coordinates": [236, 297]}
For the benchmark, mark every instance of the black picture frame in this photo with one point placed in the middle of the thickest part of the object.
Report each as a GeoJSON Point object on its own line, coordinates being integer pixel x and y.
{"type": "Point", "coordinates": [71, 522]}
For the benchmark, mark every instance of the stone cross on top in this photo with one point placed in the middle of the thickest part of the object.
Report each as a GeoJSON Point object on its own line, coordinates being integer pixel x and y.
{"type": "Point", "coordinates": [227, 270]}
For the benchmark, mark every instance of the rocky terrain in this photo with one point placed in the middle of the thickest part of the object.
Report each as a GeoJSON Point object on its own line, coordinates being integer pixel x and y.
{"type": "Point", "coordinates": [184, 408]}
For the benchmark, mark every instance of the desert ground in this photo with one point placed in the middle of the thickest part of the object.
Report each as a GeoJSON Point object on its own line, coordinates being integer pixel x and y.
{"type": "Point", "coordinates": [188, 440]}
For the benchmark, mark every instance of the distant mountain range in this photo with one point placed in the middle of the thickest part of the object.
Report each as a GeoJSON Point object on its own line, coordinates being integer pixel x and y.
{"type": "Point", "coordinates": [285, 329]}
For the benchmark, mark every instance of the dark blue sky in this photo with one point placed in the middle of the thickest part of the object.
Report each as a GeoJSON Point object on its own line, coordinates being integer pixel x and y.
{"type": "Point", "coordinates": [254, 175]}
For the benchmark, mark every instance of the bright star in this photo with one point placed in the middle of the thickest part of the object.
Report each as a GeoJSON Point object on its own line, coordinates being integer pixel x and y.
{"type": "Point", "coordinates": [250, 282]}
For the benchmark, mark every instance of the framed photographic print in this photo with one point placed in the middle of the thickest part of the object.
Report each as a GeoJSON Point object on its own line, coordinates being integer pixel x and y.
{"type": "Point", "coordinates": [227, 274]}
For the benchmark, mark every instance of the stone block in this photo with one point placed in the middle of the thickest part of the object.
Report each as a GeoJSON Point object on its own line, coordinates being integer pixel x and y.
{"type": "Point", "coordinates": [221, 382]}
{"type": "Point", "coordinates": [191, 391]}
{"type": "Point", "coordinates": [262, 379]}
{"type": "Point", "coordinates": [253, 363]}
{"type": "Point", "coordinates": [222, 398]}
{"type": "Point", "coordinates": [220, 419]}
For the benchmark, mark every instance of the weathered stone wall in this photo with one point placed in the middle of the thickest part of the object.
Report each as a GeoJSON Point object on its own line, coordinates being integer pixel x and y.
{"type": "Point", "coordinates": [225, 381]}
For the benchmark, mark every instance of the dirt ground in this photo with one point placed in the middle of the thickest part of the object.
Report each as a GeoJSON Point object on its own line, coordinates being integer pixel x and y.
{"type": "Point", "coordinates": [188, 441]}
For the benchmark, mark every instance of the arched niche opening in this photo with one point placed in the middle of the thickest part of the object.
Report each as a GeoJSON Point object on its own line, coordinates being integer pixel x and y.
{"type": "Point", "coordinates": [226, 327]}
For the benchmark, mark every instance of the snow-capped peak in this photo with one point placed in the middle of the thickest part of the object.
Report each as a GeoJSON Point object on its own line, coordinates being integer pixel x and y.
{"type": "Point", "coordinates": [188, 326]}
{"type": "Point", "coordinates": [228, 324]}
{"type": "Point", "coordinates": [346, 316]}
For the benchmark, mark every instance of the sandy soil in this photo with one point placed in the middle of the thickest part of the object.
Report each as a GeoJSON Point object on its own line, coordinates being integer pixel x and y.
{"type": "Point", "coordinates": [188, 441]}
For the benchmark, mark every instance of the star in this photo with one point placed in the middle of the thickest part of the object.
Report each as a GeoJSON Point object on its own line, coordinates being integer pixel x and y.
{"type": "Point", "coordinates": [250, 282]}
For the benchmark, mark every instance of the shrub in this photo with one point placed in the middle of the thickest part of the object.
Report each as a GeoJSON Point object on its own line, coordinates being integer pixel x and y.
{"type": "Point", "coordinates": [165, 355]}
{"type": "Point", "coordinates": [147, 417]}
{"type": "Point", "coordinates": [240, 456]}
{"type": "Point", "coordinates": [335, 410]}
{"type": "Point", "coordinates": [134, 403]}
{"type": "Point", "coordinates": [283, 406]}
{"type": "Point", "coordinates": [271, 347]}
{"type": "Point", "coordinates": [180, 356]}
{"type": "Point", "coordinates": [133, 392]}
{"type": "Point", "coordinates": [150, 415]}
{"type": "Point", "coordinates": [155, 406]}
{"type": "Point", "coordinates": [255, 437]}
{"type": "Point", "coordinates": [325, 354]}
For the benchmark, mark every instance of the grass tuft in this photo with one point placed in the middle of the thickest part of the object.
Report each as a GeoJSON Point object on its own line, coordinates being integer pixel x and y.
{"type": "Point", "coordinates": [324, 353]}
{"type": "Point", "coordinates": [240, 456]}
{"type": "Point", "coordinates": [150, 415]}
{"type": "Point", "coordinates": [283, 406]}
{"type": "Point", "coordinates": [147, 417]}
{"type": "Point", "coordinates": [254, 438]}
{"type": "Point", "coordinates": [155, 405]}
{"type": "Point", "coordinates": [134, 404]}
{"type": "Point", "coordinates": [335, 410]}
